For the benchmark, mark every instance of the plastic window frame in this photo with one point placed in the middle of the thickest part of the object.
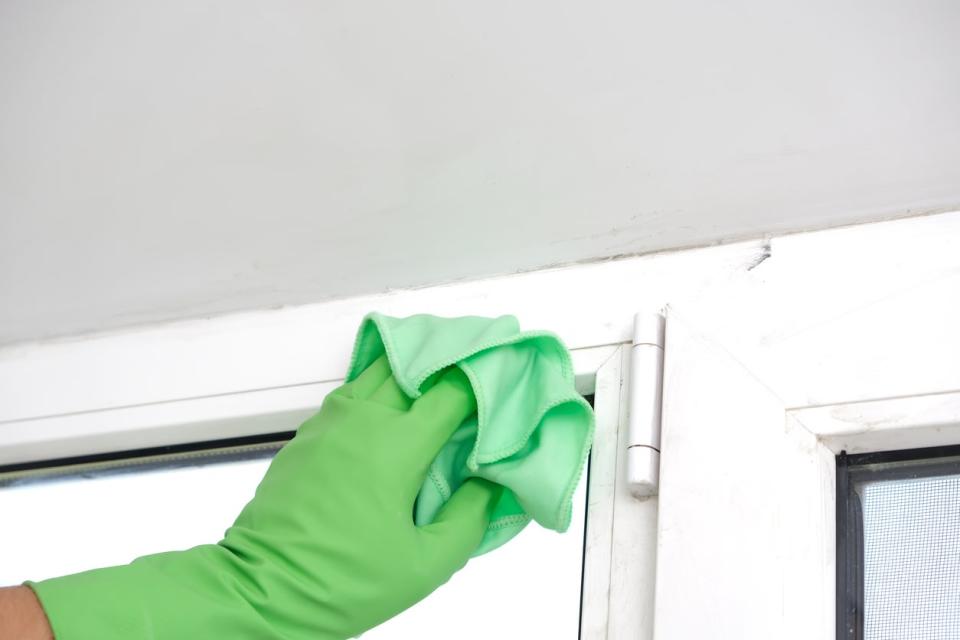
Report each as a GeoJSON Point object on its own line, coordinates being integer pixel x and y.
{"type": "Point", "coordinates": [779, 565]}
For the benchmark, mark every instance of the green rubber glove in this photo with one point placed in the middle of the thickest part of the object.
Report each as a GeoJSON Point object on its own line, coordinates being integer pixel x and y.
{"type": "Point", "coordinates": [327, 548]}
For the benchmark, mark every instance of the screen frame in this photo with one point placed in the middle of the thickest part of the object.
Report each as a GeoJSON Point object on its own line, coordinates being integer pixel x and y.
{"type": "Point", "coordinates": [852, 470]}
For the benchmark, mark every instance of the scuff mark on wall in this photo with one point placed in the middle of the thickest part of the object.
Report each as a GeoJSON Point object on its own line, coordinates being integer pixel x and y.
{"type": "Point", "coordinates": [766, 251]}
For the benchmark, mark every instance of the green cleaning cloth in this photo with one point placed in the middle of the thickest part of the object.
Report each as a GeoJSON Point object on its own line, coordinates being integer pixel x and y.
{"type": "Point", "coordinates": [531, 433]}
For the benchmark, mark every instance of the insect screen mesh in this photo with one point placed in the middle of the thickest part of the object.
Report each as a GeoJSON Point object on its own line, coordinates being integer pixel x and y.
{"type": "Point", "coordinates": [911, 538]}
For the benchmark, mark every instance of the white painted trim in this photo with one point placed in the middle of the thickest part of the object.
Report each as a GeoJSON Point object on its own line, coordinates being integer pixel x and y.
{"type": "Point", "coordinates": [881, 425]}
{"type": "Point", "coordinates": [739, 505]}
{"type": "Point", "coordinates": [619, 573]}
{"type": "Point", "coordinates": [242, 413]}
{"type": "Point", "coordinates": [586, 305]}
{"type": "Point", "coordinates": [608, 399]}
{"type": "Point", "coordinates": [162, 423]}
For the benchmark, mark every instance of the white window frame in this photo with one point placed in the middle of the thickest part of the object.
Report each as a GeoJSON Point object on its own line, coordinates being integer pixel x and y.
{"type": "Point", "coordinates": [832, 346]}
{"type": "Point", "coordinates": [748, 510]}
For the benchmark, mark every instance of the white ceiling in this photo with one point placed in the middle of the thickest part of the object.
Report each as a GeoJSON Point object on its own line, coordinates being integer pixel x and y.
{"type": "Point", "coordinates": [172, 159]}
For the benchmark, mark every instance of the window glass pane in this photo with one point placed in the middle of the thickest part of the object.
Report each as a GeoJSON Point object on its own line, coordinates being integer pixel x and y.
{"type": "Point", "coordinates": [911, 558]}
{"type": "Point", "coordinates": [97, 518]}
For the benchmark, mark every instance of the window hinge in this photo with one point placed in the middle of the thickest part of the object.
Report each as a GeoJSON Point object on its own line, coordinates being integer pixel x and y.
{"type": "Point", "coordinates": [646, 392]}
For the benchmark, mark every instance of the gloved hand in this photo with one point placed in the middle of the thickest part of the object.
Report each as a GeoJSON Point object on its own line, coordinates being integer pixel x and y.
{"type": "Point", "coordinates": [327, 547]}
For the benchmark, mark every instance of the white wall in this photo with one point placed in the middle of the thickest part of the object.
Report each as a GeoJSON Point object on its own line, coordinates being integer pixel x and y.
{"type": "Point", "coordinates": [163, 160]}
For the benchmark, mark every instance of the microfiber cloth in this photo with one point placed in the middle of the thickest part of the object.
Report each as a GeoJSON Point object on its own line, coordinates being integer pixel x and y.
{"type": "Point", "coordinates": [531, 433]}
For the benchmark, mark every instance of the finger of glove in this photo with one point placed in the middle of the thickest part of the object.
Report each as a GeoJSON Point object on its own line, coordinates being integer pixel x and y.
{"type": "Point", "coordinates": [369, 380]}
{"type": "Point", "coordinates": [438, 412]}
{"type": "Point", "coordinates": [460, 525]}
